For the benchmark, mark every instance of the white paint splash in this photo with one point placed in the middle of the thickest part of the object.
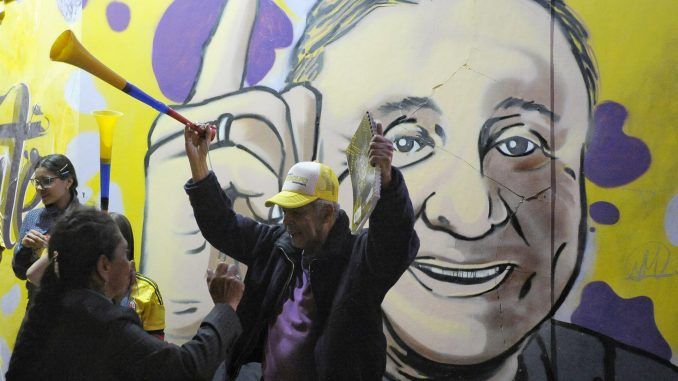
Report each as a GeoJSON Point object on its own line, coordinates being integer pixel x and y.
{"type": "Point", "coordinates": [81, 93]}
{"type": "Point", "coordinates": [71, 10]}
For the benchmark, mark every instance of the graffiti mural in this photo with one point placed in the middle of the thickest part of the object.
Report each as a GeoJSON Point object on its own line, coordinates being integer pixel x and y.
{"type": "Point", "coordinates": [535, 162]}
{"type": "Point", "coordinates": [14, 184]}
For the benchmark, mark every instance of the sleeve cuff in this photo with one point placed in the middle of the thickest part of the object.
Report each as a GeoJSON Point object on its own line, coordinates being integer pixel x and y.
{"type": "Point", "coordinates": [396, 181]}
{"type": "Point", "coordinates": [225, 320]}
{"type": "Point", "coordinates": [190, 184]}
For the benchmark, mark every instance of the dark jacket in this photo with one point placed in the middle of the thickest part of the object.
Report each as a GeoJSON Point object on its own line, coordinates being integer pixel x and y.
{"type": "Point", "coordinates": [93, 339]}
{"type": "Point", "coordinates": [582, 354]}
{"type": "Point", "coordinates": [349, 277]}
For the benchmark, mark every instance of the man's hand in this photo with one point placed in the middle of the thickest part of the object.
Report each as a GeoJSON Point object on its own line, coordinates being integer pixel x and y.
{"type": "Point", "coordinates": [381, 154]}
{"type": "Point", "coordinates": [225, 285]}
{"type": "Point", "coordinates": [197, 145]}
{"type": "Point", "coordinates": [35, 240]}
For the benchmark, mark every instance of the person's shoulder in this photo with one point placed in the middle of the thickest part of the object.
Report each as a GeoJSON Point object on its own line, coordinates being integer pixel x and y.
{"type": "Point", "coordinates": [627, 362]}
{"type": "Point", "coordinates": [33, 214]}
{"type": "Point", "coordinates": [93, 308]}
{"type": "Point", "coordinates": [35, 211]}
{"type": "Point", "coordinates": [147, 289]}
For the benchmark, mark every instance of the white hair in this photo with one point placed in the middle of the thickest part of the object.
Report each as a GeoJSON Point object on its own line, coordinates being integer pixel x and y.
{"type": "Point", "coordinates": [319, 204]}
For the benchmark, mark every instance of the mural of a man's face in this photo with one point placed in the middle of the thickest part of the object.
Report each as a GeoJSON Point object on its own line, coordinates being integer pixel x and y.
{"type": "Point", "coordinates": [491, 158]}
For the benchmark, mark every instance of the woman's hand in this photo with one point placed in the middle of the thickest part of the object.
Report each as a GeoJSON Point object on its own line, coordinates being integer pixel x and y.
{"type": "Point", "coordinates": [225, 285]}
{"type": "Point", "coordinates": [35, 240]}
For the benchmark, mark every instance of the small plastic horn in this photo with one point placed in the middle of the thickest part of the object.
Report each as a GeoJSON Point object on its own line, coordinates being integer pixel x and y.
{"type": "Point", "coordinates": [106, 119]}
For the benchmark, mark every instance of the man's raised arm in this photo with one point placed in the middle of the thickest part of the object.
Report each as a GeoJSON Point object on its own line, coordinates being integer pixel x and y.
{"type": "Point", "coordinates": [392, 242]}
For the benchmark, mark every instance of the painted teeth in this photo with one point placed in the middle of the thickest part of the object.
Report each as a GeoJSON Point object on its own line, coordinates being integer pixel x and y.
{"type": "Point", "coordinates": [484, 273]}
{"type": "Point", "coordinates": [462, 276]}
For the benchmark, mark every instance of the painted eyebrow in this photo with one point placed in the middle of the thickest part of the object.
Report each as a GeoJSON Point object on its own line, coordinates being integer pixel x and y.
{"type": "Point", "coordinates": [438, 129]}
{"type": "Point", "coordinates": [528, 106]}
{"type": "Point", "coordinates": [484, 138]}
{"type": "Point", "coordinates": [410, 104]}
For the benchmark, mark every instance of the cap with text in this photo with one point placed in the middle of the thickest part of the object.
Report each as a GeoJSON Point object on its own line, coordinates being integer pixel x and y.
{"type": "Point", "coordinates": [306, 182]}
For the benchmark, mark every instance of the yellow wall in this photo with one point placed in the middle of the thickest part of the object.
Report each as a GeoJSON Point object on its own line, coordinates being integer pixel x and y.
{"type": "Point", "coordinates": [635, 48]}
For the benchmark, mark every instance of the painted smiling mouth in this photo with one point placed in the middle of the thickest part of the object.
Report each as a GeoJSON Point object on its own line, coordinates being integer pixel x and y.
{"type": "Point", "coordinates": [461, 276]}
{"type": "Point", "coordinates": [460, 281]}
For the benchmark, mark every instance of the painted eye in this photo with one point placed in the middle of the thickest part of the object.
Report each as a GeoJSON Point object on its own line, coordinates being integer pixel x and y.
{"type": "Point", "coordinates": [412, 143]}
{"type": "Point", "coordinates": [516, 146]}
{"type": "Point", "coordinates": [406, 144]}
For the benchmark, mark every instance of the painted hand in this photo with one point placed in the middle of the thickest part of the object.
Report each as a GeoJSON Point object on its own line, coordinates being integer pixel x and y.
{"type": "Point", "coordinates": [261, 133]}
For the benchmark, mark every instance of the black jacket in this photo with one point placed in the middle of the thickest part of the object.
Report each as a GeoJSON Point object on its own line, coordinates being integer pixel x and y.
{"type": "Point", "coordinates": [583, 354]}
{"type": "Point", "coordinates": [349, 277]}
{"type": "Point", "coordinates": [93, 339]}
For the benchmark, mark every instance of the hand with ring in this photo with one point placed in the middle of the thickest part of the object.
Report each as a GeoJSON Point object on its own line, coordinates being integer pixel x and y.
{"type": "Point", "coordinates": [225, 285]}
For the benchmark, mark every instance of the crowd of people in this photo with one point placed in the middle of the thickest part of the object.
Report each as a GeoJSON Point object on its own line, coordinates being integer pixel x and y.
{"type": "Point", "coordinates": [90, 315]}
{"type": "Point", "coordinates": [308, 309]}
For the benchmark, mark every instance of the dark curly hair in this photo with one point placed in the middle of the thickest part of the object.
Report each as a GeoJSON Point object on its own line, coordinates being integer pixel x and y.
{"type": "Point", "coordinates": [80, 237]}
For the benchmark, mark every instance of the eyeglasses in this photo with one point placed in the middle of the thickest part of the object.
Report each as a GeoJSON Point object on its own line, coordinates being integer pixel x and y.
{"type": "Point", "coordinates": [43, 182]}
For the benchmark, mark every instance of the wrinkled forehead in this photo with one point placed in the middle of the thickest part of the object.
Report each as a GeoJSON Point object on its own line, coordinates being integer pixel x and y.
{"type": "Point", "coordinates": [430, 42]}
{"type": "Point", "coordinates": [418, 27]}
{"type": "Point", "coordinates": [466, 56]}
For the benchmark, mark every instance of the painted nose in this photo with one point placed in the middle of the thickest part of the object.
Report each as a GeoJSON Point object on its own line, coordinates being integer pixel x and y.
{"type": "Point", "coordinates": [465, 205]}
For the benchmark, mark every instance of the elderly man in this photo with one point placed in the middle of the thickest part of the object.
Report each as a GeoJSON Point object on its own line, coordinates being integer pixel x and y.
{"type": "Point", "coordinates": [311, 308]}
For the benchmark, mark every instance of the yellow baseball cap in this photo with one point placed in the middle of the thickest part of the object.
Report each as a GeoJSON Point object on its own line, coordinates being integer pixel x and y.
{"type": "Point", "coordinates": [306, 182]}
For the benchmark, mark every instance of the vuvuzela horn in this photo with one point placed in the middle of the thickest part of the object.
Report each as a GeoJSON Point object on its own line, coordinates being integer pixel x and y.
{"type": "Point", "coordinates": [66, 48]}
{"type": "Point", "coordinates": [106, 120]}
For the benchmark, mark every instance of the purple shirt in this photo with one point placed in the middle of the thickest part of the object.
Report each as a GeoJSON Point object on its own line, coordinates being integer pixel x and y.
{"type": "Point", "coordinates": [289, 347]}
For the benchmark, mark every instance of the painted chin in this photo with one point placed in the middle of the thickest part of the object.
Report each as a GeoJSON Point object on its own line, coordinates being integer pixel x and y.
{"type": "Point", "coordinates": [456, 280]}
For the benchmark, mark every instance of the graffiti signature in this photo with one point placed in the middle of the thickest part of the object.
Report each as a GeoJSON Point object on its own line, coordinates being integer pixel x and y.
{"type": "Point", "coordinates": [654, 260]}
{"type": "Point", "coordinates": [13, 185]}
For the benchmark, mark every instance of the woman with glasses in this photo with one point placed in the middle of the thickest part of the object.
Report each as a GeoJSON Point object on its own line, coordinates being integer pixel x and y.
{"type": "Point", "coordinates": [56, 183]}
